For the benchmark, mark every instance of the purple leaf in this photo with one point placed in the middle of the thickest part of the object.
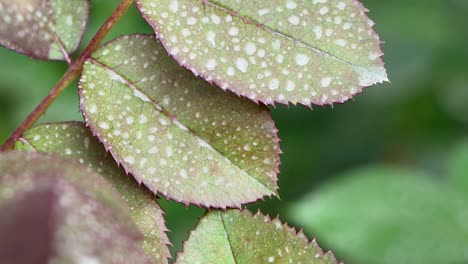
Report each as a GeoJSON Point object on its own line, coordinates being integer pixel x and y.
{"type": "Point", "coordinates": [72, 140]}
{"type": "Point", "coordinates": [43, 29]}
{"type": "Point", "coordinates": [26, 227]}
{"type": "Point", "coordinates": [87, 219]}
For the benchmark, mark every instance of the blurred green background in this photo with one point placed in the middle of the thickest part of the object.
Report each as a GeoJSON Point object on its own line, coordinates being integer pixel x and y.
{"type": "Point", "coordinates": [380, 179]}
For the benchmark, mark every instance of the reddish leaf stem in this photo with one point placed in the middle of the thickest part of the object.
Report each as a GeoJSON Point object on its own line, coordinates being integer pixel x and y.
{"type": "Point", "coordinates": [70, 75]}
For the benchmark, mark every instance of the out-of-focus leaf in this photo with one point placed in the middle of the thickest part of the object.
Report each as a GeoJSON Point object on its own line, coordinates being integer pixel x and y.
{"type": "Point", "coordinates": [318, 52]}
{"type": "Point", "coordinates": [43, 29]}
{"type": "Point", "coordinates": [88, 221]}
{"type": "Point", "coordinates": [454, 96]}
{"type": "Point", "coordinates": [175, 133]}
{"type": "Point", "coordinates": [26, 228]}
{"type": "Point", "coordinates": [73, 140]}
{"type": "Point", "coordinates": [458, 167]}
{"type": "Point", "coordinates": [239, 237]}
{"type": "Point", "coordinates": [383, 215]}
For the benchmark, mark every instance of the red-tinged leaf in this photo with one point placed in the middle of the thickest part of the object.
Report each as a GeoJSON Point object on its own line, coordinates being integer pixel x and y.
{"type": "Point", "coordinates": [72, 140]}
{"type": "Point", "coordinates": [88, 222]}
{"type": "Point", "coordinates": [239, 237]}
{"type": "Point", "coordinates": [43, 29]}
{"type": "Point", "coordinates": [296, 51]}
{"type": "Point", "coordinates": [175, 133]}
{"type": "Point", "coordinates": [26, 228]}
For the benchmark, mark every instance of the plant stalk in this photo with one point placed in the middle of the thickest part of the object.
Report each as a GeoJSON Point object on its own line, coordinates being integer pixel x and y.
{"type": "Point", "coordinates": [70, 75]}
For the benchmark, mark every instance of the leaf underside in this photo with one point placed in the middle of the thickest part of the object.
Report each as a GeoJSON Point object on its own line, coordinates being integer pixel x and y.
{"type": "Point", "coordinates": [43, 29]}
{"type": "Point", "coordinates": [175, 133]}
{"type": "Point", "coordinates": [239, 237]}
{"type": "Point", "coordinates": [72, 140]}
{"type": "Point", "coordinates": [88, 220]}
{"type": "Point", "coordinates": [286, 51]}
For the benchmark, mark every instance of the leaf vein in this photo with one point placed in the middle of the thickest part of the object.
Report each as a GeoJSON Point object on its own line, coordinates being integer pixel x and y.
{"type": "Point", "coordinates": [174, 120]}
{"type": "Point", "coordinates": [227, 237]}
{"type": "Point", "coordinates": [277, 32]}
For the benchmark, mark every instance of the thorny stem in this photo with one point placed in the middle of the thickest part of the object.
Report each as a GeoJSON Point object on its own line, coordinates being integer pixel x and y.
{"type": "Point", "coordinates": [70, 75]}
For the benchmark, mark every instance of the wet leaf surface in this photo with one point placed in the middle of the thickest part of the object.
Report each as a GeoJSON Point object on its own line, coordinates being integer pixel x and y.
{"type": "Point", "coordinates": [175, 133]}
{"type": "Point", "coordinates": [88, 220]}
{"type": "Point", "coordinates": [72, 140]}
{"type": "Point", "coordinates": [318, 52]}
{"type": "Point", "coordinates": [43, 29]}
{"type": "Point", "coordinates": [239, 237]}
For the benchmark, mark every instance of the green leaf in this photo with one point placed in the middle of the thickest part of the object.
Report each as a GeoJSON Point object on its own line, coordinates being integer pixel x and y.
{"type": "Point", "coordinates": [88, 220]}
{"type": "Point", "coordinates": [239, 237]}
{"type": "Point", "coordinates": [43, 29]}
{"type": "Point", "coordinates": [318, 52]}
{"type": "Point", "coordinates": [385, 215]}
{"type": "Point", "coordinates": [72, 140]}
{"type": "Point", "coordinates": [175, 133]}
{"type": "Point", "coordinates": [458, 167]}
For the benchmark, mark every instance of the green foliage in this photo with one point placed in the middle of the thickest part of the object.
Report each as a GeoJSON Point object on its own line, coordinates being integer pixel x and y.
{"type": "Point", "coordinates": [43, 29]}
{"type": "Point", "coordinates": [176, 134]}
{"type": "Point", "coordinates": [458, 167]}
{"type": "Point", "coordinates": [397, 215]}
{"type": "Point", "coordinates": [233, 237]}
{"type": "Point", "coordinates": [272, 51]}
{"type": "Point", "coordinates": [81, 210]}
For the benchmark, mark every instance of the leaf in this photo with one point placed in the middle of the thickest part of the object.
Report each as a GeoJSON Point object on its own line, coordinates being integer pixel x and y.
{"type": "Point", "coordinates": [72, 140]}
{"type": "Point", "coordinates": [458, 167]}
{"type": "Point", "coordinates": [87, 219]}
{"type": "Point", "coordinates": [239, 237]}
{"type": "Point", "coordinates": [30, 219]}
{"type": "Point", "coordinates": [388, 215]}
{"type": "Point", "coordinates": [43, 29]}
{"type": "Point", "coordinates": [176, 134]}
{"type": "Point", "coordinates": [283, 51]}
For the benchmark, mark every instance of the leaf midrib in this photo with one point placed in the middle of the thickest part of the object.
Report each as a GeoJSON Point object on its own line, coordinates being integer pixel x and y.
{"type": "Point", "coordinates": [27, 143]}
{"type": "Point", "coordinates": [174, 118]}
{"type": "Point", "coordinates": [277, 32]}
{"type": "Point", "coordinates": [227, 237]}
{"type": "Point", "coordinates": [56, 38]}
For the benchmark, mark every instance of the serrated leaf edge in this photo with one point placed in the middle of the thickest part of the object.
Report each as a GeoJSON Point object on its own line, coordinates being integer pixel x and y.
{"type": "Point", "coordinates": [162, 223]}
{"type": "Point", "coordinates": [66, 55]}
{"type": "Point", "coordinates": [108, 148]}
{"type": "Point", "coordinates": [267, 219]}
{"type": "Point", "coordinates": [257, 99]}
